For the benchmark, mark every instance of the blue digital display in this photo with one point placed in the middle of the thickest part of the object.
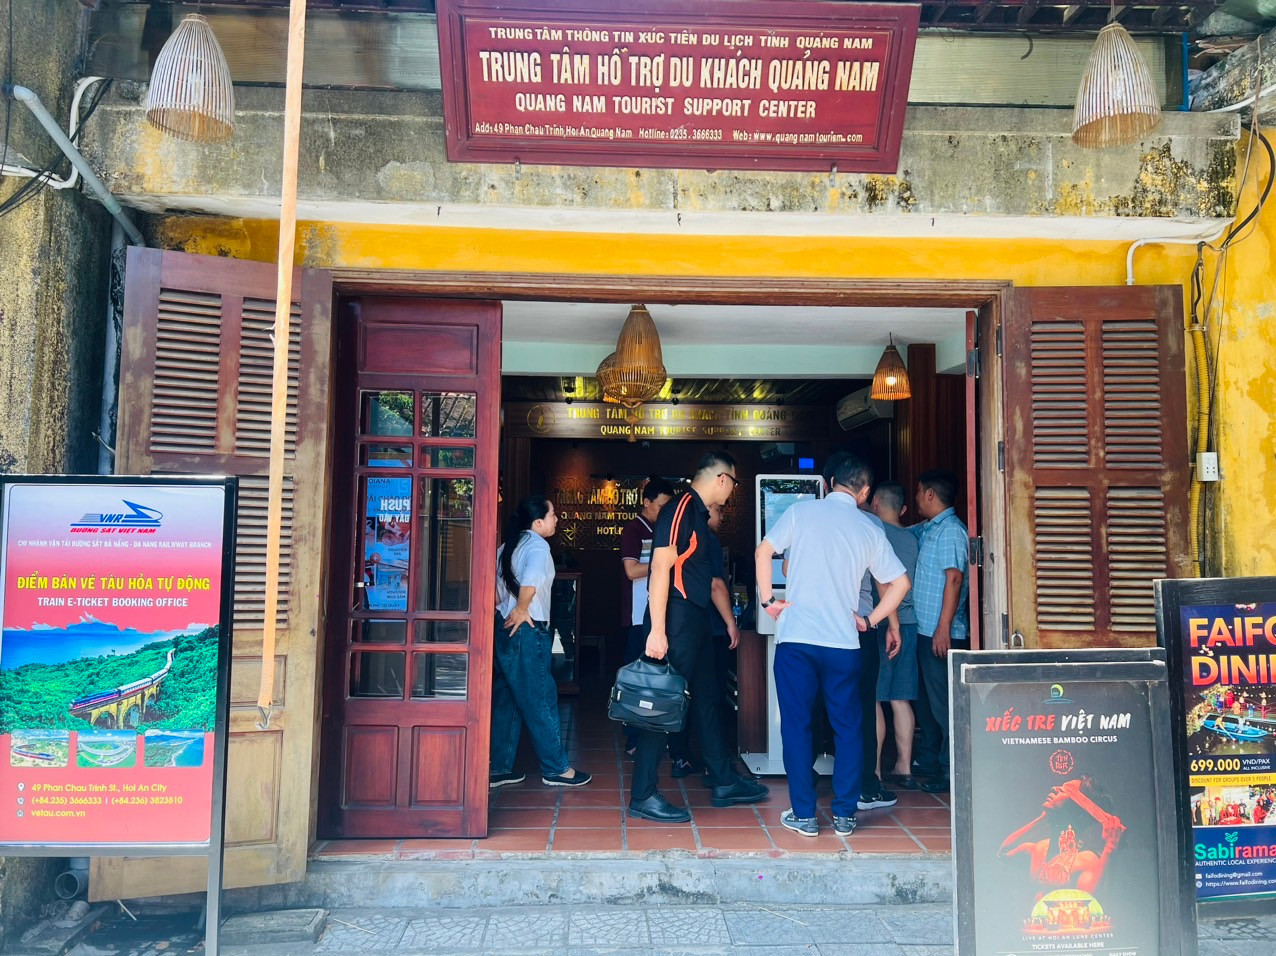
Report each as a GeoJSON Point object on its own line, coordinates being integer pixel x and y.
{"type": "Point", "coordinates": [806, 464]}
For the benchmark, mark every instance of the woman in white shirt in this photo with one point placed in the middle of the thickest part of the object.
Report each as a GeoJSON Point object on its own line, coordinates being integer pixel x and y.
{"type": "Point", "coordinates": [523, 687]}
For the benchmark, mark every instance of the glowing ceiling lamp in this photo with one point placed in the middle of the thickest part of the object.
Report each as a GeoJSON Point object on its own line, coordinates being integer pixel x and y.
{"type": "Point", "coordinates": [890, 380]}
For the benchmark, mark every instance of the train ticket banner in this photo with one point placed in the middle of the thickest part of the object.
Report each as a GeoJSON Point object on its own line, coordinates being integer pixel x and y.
{"type": "Point", "coordinates": [714, 85]}
{"type": "Point", "coordinates": [1228, 654]}
{"type": "Point", "coordinates": [111, 614]}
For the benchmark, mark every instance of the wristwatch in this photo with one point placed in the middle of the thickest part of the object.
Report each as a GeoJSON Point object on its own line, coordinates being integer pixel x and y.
{"type": "Point", "coordinates": [769, 602]}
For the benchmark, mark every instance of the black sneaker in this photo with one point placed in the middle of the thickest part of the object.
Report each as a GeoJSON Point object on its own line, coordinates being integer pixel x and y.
{"type": "Point", "coordinates": [558, 780]}
{"type": "Point", "coordinates": [504, 779]}
{"type": "Point", "coordinates": [843, 826]}
{"type": "Point", "coordinates": [876, 801]}
{"type": "Point", "coordinates": [937, 785]}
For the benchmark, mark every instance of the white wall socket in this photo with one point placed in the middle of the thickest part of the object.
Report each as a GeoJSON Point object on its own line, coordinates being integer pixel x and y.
{"type": "Point", "coordinates": [1207, 466]}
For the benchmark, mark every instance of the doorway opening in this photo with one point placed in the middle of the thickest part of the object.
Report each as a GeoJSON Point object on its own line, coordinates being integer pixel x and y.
{"type": "Point", "coordinates": [762, 381]}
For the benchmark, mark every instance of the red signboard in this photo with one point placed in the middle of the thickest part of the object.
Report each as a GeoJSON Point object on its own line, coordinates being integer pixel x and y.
{"type": "Point", "coordinates": [724, 84]}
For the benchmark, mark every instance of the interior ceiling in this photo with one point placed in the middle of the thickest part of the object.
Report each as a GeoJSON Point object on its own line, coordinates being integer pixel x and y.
{"type": "Point", "coordinates": [594, 323]}
{"type": "Point", "coordinates": [709, 391]}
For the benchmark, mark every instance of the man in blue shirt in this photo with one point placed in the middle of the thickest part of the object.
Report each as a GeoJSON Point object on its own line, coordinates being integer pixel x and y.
{"type": "Point", "coordinates": [940, 591]}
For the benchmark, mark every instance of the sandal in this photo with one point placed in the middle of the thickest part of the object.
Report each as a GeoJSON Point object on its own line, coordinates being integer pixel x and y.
{"type": "Point", "coordinates": [905, 781]}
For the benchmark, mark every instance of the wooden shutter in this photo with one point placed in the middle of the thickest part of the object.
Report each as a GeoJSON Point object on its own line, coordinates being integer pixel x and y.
{"type": "Point", "coordinates": [1096, 460]}
{"type": "Point", "coordinates": [195, 374]}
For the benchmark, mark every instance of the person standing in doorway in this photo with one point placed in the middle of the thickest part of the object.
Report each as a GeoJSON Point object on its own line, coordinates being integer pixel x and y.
{"type": "Point", "coordinates": [724, 637]}
{"type": "Point", "coordinates": [523, 687]}
{"type": "Point", "coordinates": [939, 599]}
{"type": "Point", "coordinates": [830, 545]}
{"type": "Point", "coordinates": [897, 683]}
{"type": "Point", "coordinates": [635, 562]}
{"type": "Point", "coordinates": [681, 600]}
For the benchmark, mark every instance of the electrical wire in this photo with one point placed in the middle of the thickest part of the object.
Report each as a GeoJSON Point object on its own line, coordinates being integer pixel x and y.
{"type": "Point", "coordinates": [8, 81]}
{"type": "Point", "coordinates": [33, 186]}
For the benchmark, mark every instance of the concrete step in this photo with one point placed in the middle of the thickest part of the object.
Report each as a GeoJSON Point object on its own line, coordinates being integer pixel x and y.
{"type": "Point", "coordinates": [861, 880]}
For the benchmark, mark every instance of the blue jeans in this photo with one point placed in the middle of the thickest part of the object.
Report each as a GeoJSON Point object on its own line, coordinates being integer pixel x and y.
{"type": "Point", "coordinates": [803, 671]}
{"type": "Point", "coordinates": [524, 692]}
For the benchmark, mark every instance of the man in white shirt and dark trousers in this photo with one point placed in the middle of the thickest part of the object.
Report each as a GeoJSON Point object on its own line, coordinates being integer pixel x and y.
{"type": "Point", "coordinates": [830, 544]}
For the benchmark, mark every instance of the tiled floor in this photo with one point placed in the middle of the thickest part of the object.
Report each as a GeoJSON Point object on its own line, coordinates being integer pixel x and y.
{"type": "Point", "coordinates": [532, 820]}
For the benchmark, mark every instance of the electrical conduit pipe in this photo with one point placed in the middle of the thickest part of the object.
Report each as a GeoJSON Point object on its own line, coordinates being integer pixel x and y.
{"type": "Point", "coordinates": [32, 102]}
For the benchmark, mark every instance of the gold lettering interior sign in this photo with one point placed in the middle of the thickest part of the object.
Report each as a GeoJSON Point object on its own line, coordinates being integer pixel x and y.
{"type": "Point", "coordinates": [667, 421]}
{"type": "Point", "coordinates": [719, 84]}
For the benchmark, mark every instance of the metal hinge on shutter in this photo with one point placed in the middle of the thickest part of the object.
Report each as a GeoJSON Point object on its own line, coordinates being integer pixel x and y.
{"type": "Point", "coordinates": [972, 363]}
{"type": "Point", "coordinates": [998, 338]}
{"type": "Point", "coordinates": [977, 551]}
{"type": "Point", "coordinates": [1001, 456]}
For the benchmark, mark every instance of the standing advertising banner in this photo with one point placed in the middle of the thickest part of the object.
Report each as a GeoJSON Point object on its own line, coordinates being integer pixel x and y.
{"type": "Point", "coordinates": [115, 614]}
{"type": "Point", "coordinates": [1220, 635]}
{"type": "Point", "coordinates": [1063, 808]}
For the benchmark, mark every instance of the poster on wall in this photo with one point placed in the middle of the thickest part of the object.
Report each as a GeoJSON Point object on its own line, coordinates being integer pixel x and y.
{"type": "Point", "coordinates": [1060, 817]}
{"type": "Point", "coordinates": [387, 543]}
{"type": "Point", "coordinates": [1221, 635]}
{"type": "Point", "coordinates": [114, 652]}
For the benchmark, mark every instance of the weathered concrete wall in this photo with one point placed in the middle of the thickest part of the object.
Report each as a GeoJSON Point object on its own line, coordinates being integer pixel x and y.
{"type": "Point", "coordinates": [380, 158]}
{"type": "Point", "coordinates": [53, 271]}
{"type": "Point", "coordinates": [52, 255]}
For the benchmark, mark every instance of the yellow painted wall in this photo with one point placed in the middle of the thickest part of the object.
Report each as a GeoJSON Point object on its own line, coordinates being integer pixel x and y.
{"type": "Point", "coordinates": [1244, 514]}
{"type": "Point", "coordinates": [1239, 544]}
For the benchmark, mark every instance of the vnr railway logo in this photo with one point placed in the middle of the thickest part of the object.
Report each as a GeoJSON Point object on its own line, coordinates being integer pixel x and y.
{"type": "Point", "coordinates": [138, 516]}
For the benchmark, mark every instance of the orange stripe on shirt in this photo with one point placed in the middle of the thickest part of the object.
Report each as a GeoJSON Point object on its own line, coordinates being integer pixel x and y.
{"type": "Point", "coordinates": [679, 559]}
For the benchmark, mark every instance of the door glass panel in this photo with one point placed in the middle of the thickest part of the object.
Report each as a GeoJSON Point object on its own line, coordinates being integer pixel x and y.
{"type": "Point", "coordinates": [445, 532]}
{"type": "Point", "coordinates": [377, 674]}
{"type": "Point", "coordinates": [451, 457]}
{"type": "Point", "coordinates": [386, 456]}
{"type": "Point", "coordinates": [441, 632]}
{"type": "Point", "coordinates": [386, 413]}
{"type": "Point", "coordinates": [448, 414]}
{"type": "Point", "coordinates": [439, 675]}
{"type": "Point", "coordinates": [379, 632]}
{"type": "Point", "coordinates": [387, 543]}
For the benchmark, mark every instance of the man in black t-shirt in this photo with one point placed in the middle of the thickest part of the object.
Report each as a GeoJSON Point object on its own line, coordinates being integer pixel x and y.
{"type": "Point", "coordinates": [680, 604]}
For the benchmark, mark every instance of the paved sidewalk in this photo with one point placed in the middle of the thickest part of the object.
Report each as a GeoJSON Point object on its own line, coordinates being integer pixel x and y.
{"type": "Point", "coordinates": [664, 930]}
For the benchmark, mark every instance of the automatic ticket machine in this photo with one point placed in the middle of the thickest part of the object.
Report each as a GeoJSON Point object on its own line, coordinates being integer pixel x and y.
{"type": "Point", "coordinates": [775, 494]}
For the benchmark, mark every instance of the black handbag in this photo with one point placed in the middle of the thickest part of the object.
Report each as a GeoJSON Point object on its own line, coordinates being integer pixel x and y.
{"type": "Point", "coordinates": [650, 695]}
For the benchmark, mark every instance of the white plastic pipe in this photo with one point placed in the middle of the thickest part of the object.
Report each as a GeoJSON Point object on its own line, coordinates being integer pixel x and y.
{"type": "Point", "coordinates": [73, 126]}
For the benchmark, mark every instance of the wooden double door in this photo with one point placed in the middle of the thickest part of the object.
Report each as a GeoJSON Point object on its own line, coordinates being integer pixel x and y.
{"type": "Point", "coordinates": [406, 705]}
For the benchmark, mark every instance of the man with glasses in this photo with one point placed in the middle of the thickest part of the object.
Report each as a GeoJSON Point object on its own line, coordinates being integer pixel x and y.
{"type": "Point", "coordinates": [679, 608]}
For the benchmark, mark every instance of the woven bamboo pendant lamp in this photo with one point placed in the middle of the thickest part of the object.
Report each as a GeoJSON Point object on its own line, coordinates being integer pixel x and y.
{"type": "Point", "coordinates": [1117, 102]}
{"type": "Point", "coordinates": [890, 380]}
{"type": "Point", "coordinates": [635, 372]}
{"type": "Point", "coordinates": [191, 96]}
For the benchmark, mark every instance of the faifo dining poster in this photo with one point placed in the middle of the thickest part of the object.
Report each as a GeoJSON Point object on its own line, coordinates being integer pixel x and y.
{"type": "Point", "coordinates": [112, 643]}
{"type": "Point", "coordinates": [1221, 635]}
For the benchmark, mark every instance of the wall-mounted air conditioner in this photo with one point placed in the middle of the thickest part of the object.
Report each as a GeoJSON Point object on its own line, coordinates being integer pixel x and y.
{"type": "Point", "coordinates": [859, 409]}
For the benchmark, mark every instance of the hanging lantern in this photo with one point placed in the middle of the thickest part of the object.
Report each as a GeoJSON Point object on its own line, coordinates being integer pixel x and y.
{"type": "Point", "coordinates": [1117, 102]}
{"type": "Point", "coordinates": [191, 96]}
{"type": "Point", "coordinates": [635, 372]}
{"type": "Point", "coordinates": [890, 380]}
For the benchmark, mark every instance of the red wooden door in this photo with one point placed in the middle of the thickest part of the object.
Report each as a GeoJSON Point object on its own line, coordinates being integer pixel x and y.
{"type": "Point", "coordinates": [408, 686]}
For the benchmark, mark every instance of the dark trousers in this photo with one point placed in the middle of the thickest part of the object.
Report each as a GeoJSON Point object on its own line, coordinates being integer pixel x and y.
{"type": "Point", "coordinates": [870, 664]}
{"type": "Point", "coordinates": [524, 693]}
{"type": "Point", "coordinates": [932, 705]}
{"type": "Point", "coordinates": [691, 654]}
{"type": "Point", "coordinates": [805, 673]}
